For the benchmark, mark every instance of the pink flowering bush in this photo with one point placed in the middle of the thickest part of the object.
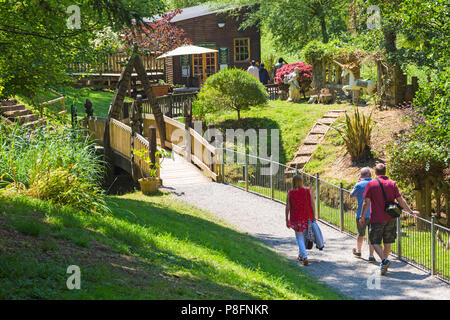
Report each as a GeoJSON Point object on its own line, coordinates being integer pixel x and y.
{"type": "Point", "coordinates": [305, 72]}
{"type": "Point", "coordinates": [159, 36]}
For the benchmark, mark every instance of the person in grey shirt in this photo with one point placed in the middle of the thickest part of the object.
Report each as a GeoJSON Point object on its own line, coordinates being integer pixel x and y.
{"type": "Point", "coordinates": [358, 193]}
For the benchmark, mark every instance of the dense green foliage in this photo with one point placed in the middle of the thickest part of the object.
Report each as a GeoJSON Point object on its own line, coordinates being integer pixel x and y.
{"type": "Point", "coordinates": [39, 40]}
{"type": "Point", "coordinates": [292, 24]}
{"type": "Point", "coordinates": [59, 166]}
{"type": "Point", "coordinates": [230, 89]}
{"type": "Point", "coordinates": [425, 150]}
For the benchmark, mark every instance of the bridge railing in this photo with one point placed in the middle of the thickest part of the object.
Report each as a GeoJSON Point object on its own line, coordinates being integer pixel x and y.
{"type": "Point", "coordinates": [420, 242]}
{"type": "Point", "coordinates": [188, 143]}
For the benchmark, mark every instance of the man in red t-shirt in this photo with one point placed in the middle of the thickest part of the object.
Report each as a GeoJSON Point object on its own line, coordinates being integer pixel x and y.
{"type": "Point", "coordinates": [382, 227]}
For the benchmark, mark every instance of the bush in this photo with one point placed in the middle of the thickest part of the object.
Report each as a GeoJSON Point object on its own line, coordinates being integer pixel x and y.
{"type": "Point", "coordinates": [305, 72]}
{"type": "Point", "coordinates": [230, 89]}
{"type": "Point", "coordinates": [425, 150]}
{"type": "Point", "coordinates": [356, 135]}
{"type": "Point", "coordinates": [60, 166]}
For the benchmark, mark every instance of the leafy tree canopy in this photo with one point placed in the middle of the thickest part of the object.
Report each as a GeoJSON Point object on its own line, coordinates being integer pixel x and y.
{"type": "Point", "coordinates": [39, 39]}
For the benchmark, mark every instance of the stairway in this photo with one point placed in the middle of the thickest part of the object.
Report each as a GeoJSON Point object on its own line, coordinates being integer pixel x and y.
{"type": "Point", "coordinates": [314, 138]}
{"type": "Point", "coordinates": [14, 112]}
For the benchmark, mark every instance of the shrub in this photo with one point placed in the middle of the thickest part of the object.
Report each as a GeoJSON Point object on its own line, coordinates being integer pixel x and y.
{"type": "Point", "coordinates": [356, 134]}
{"type": "Point", "coordinates": [230, 89]}
{"type": "Point", "coordinates": [60, 166]}
{"type": "Point", "coordinates": [305, 72]}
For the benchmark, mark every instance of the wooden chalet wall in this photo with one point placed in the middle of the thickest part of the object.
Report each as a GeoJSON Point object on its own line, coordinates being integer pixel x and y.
{"type": "Point", "coordinates": [204, 29]}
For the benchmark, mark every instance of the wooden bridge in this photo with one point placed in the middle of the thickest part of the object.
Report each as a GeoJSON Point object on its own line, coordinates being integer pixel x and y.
{"type": "Point", "coordinates": [194, 159]}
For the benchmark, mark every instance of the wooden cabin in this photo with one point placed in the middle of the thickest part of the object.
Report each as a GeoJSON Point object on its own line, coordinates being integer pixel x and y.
{"type": "Point", "coordinates": [214, 29]}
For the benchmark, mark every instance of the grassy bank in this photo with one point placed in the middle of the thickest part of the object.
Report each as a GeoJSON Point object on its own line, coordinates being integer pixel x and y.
{"type": "Point", "coordinates": [147, 248]}
{"type": "Point", "coordinates": [294, 120]}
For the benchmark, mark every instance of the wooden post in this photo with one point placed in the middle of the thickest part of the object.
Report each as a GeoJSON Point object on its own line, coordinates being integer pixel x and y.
{"type": "Point", "coordinates": [152, 143]}
{"type": "Point", "coordinates": [317, 196]}
{"type": "Point", "coordinates": [341, 207]}
{"type": "Point", "coordinates": [156, 109]}
{"type": "Point", "coordinates": [246, 171]}
{"type": "Point", "coordinates": [109, 154]}
{"type": "Point", "coordinates": [210, 139]}
{"type": "Point", "coordinates": [121, 90]}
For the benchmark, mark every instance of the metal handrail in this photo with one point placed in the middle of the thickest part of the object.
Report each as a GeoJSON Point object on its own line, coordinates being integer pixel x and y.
{"type": "Point", "coordinates": [432, 257]}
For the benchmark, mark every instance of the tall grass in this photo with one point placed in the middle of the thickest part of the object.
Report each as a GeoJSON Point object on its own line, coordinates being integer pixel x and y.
{"type": "Point", "coordinates": [58, 165]}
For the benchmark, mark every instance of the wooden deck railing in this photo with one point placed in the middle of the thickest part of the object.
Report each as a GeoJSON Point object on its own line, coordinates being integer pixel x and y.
{"type": "Point", "coordinates": [190, 144]}
{"type": "Point", "coordinates": [172, 105]}
{"type": "Point", "coordinates": [114, 63]}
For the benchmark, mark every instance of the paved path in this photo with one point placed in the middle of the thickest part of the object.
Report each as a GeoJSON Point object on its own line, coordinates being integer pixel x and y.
{"type": "Point", "coordinates": [335, 265]}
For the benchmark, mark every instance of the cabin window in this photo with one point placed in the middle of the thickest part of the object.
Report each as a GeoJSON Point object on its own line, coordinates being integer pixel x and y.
{"type": "Point", "coordinates": [241, 49]}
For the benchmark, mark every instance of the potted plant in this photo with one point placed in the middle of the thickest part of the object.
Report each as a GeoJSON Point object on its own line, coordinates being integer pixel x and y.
{"type": "Point", "coordinates": [150, 183]}
{"type": "Point", "coordinates": [160, 89]}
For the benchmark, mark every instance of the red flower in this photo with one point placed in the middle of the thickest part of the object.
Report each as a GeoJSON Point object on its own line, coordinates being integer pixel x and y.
{"type": "Point", "coordinates": [305, 73]}
{"type": "Point", "coordinates": [158, 36]}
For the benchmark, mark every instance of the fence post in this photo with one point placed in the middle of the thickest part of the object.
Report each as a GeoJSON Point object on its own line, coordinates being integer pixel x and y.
{"type": "Point", "coordinates": [246, 171]}
{"type": "Point", "coordinates": [399, 238]}
{"type": "Point", "coordinates": [341, 207]}
{"type": "Point", "coordinates": [272, 191]}
{"type": "Point", "coordinates": [317, 196]}
{"type": "Point", "coordinates": [433, 245]}
{"type": "Point", "coordinates": [223, 164]}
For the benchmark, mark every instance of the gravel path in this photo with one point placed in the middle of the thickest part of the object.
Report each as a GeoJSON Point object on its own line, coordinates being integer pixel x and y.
{"type": "Point", "coordinates": [335, 265]}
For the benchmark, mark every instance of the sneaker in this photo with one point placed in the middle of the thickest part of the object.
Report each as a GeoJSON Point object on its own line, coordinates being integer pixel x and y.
{"type": "Point", "coordinates": [356, 253]}
{"type": "Point", "coordinates": [372, 259]}
{"type": "Point", "coordinates": [384, 266]}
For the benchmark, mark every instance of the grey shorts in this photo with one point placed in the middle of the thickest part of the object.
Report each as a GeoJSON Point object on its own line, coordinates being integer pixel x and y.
{"type": "Point", "coordinates": [362, 229]}
{"type": "Point", "coordinates": [385, 232]}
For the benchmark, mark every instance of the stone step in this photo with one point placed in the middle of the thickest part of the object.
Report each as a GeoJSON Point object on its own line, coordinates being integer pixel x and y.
{"type": "Point", "coordinates": [319, 128]}
{"type": "Point", "coordinates": [299, 161]}
{"type": "Point", "coordinates": [13, 107]}
{"type": "Point", "coordinates": [25, 118]}
{"type": "Point", "coordinates": [313, 139]}
{"type": "Point", "coordinates": [8, 102]}
{"type": "Point", "coordinates": [332, 115]}
{"type": "Point", "coordinates": [326, 121]}
{"type": "Point", "coordinates": [34, 124]}
{"type": "Point", "coordinates": [338, 111]}
{"type": "Point", "coordinates": [306, 150]}
{"type": "Point", "coordinates": [17, 113]}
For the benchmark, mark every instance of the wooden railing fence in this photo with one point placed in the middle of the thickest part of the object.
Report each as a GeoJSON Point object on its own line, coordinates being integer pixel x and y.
{"type": "Point", "coordinates": [114, 63]}
{"type": "Point", "coordinates": [188, 143]}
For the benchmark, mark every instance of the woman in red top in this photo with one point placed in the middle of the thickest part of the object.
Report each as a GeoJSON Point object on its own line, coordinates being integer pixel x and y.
{"type": "Point", "coordinates": [299, 207]}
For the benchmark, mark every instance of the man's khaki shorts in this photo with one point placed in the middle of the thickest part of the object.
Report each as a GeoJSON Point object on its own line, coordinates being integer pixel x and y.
{"type": "Point", "coordinates": [385, 232]}
{"type": "Point", "coordinates": [362, 229]}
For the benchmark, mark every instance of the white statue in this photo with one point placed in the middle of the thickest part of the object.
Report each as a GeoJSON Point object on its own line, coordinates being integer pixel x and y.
{"type": "Point", "coordinates": [294, 86]}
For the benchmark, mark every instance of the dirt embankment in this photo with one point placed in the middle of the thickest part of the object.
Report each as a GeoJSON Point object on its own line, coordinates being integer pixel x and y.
{"type": "Point", "coordinates": [387, 124]}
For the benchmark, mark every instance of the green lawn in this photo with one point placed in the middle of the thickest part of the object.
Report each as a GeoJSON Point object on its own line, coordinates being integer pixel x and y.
{"type": "Point", "coordinates": [294, 120]}
{"type": "Point", "coordinates": [148, 248]}
{"type": "Point", "coordinates": [101, 100]}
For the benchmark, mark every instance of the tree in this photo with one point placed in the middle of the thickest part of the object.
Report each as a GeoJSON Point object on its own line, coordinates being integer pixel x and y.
{"type": "Point", "coordinates": [231, 89]}
{"type": "Point", "coordinates": [294, 23]}
{"type": "Point", "coordinates": [39, 39]}
{"type": "Point", "coordinates": [158, 36]}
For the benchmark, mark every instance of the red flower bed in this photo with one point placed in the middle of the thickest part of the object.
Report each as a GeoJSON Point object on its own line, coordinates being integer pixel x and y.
{"type": "Point", "coordinates": [305, 72]}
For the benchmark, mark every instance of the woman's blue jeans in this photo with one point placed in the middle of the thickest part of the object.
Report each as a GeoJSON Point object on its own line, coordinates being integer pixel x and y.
{"type": "Point", "coordinates": [301, 244]}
